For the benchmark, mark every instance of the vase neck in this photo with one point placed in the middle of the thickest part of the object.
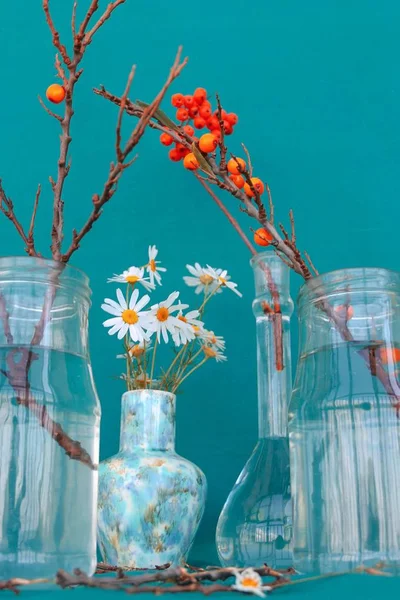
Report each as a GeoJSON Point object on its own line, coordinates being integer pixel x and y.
{"type": "Point", "coordinates": [147, 420]}
{"type": "Point", "coordinates": [273, 308]}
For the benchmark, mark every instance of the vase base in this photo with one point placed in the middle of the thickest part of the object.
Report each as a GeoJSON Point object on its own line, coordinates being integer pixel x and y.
{"type": "Point", "coordinates": [33, 565]}
{"type": "Point", "coordinates": [307, 564]}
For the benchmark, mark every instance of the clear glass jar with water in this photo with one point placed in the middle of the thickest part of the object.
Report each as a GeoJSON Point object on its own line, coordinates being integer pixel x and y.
{"type": "Point", "coordinates": [344, 422]}
{"type": "Point", "coordinates": [49, 421]}
{"type": "Point", "coordinates": [255, 525]}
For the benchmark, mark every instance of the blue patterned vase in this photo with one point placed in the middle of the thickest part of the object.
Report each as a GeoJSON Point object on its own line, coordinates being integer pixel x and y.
{"type": "Point", "coordinates": [151, 500]}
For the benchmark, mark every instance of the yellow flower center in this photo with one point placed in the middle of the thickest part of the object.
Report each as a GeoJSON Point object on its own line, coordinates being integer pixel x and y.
{"type": "Point", "coordinates": [222, 280]}
{"type": "Point", "coordinates": [131, 279]}
{"type": "Point", "coordinates": [136, 350]}
{"type": "Point", "coordinates": [206, 279]}
{"type": "Point", "coordinates": [152, 265]}
{"type": "Point", "coordinates": [196, 328]}
{"type": "Point", "coordinates": [182, 318]}
{"type": "Point", "coordinates": [209, 352]}
{"type": "Point", "coordinates": [162, 314]}
{"type": "Point", "coordinates": [213, 339]}
{"type": "Point", "coordinates": [249, 582]}
{"type": "Point", "coordinates": [130, 316]}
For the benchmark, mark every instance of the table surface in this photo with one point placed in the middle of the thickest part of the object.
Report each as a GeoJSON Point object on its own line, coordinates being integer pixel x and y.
{"type": "Point", "coordinates": [367, 587]}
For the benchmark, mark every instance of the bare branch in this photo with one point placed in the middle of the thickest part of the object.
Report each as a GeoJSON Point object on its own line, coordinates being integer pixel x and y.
{"type": "Point", "coordinates": [90, 12]}
{"type": "Point", "coordinates": [271, 204]}
{"type": "Point", "coordinates": [50, 112]}
{"type": "Point", "coordinates": [121, 114]}
{"type": "Point", "coordinates": [73, 20]}
{"type": "Point", "coordinates": [292, 226]}
{"type": "Point", "coordinates": [56, 36]}
{"type": "Point", "coordinates": [248, 158]}
{"type": "Point", "coordinates": [106, 15]}
{"type": "Point", "coordinates": [221, 143]}
{"type": "Point", "coordinates": [30, 238]}
{"type": "Point", "coordinates": [310, 262]}
{"type": "Point", "coordinates": [7, 208]}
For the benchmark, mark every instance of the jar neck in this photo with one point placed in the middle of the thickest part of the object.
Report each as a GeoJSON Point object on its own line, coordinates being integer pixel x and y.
{"type": "Point", "coordinates": [272, 308]}
{"type": "Point", "coordinates": [44, 304]}
{"type": "Point", "coordinates": [147, 420]}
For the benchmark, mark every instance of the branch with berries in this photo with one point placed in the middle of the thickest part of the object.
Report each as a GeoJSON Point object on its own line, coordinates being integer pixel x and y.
{"type": "Point", "coordinates": [206, 156]}
{"type": "Point", "coordinates": [69, 71]}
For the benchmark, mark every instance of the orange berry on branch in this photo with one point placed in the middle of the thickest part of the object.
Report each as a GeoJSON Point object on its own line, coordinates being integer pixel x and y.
{"type": "Point", "coordinates": [389, 355]}
{"type": "Point", "coordinates": [228, 128]}
{"type": "Point", "coordinates": [177, 100]}
{"type": "Point", "coordinates": [205, 112]}
{"type": "Point", "coordinates": [224, 114]}
{"type": "Point", "coordinates": [208, 143]}
{"type": "Point", "coordinates": [174, 155]}
{"type": "Point", "coordinates": [200, 95]}
{"type": "Point", "coordinates": [188, 129]}
{"type": "Point", "coordinates": [181, 149]}
{"type": "Point", "coordinates": [232, 118]}
{"type": "Point", "coordinates": [199, 122]}
{"type": "Point", "coordinates": [193, 111]}
{"type": "Point", "coordinates": [237, 180]}
{"type": "Point", "coordinates": [236, 165]}
{"type": "Point", "coordinates": [166, 139]}
{"type": "Point", "coordinates": [262, 237]}
{"type": "Point", "coordinates": [216, 133]}
{"type": "Point", "coordinates": [188, 101]}
{"type": "Point", "coordinates": [55, 93]}
{"type": "Point", "coordinates": [257, 185]}
{"type": "Point", "coordinates": [213, 123]}
{"type": "Point", "coordinates": [190, 162]}
{"type": "Point", "coordinates": [182, 114]}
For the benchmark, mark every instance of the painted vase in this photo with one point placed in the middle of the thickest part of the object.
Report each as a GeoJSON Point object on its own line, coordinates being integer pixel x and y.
{"type": "Point", "coordinates": [151, 500]}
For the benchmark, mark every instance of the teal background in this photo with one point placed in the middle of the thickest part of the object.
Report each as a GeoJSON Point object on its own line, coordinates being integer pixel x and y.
{"type": "Point", "coordinates": [317, 90]}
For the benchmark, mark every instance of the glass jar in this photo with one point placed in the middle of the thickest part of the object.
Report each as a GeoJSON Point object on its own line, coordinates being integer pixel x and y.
{"type": "Point", "coordinates": [344, 424]}
{"type": "Point", "coordinates": [49, 421]}
{"type": "Point", "coordinates": [255, 525]}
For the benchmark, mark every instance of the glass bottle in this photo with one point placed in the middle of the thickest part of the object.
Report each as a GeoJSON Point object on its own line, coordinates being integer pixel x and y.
{"type": "Point", "coordinates": [49, 421]}
{"type": "Point", "coordinates": [344, 423]}
{"type": "Point", "coordinates": [255, 525]}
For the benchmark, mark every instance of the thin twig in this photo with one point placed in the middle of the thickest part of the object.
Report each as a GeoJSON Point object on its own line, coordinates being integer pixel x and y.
{"type": "Point", "coordinates": [30, 238]}
{"type": "Point", "coordinates": [292, 225]}
{"type": "Point", "coordinates": [221, 143]}
{"type": "Point", "coordinates": [310, 262]}
{"type": "Point", "coordinates": [106, 15]}
{"type": "Point", "coordinates": [271, 204]}
{"type": "Point", "coordinates": [119, 152]}
{"type": "Point", "coordinates": [7, 208]}
{"type": "Point", "coordinates": [49, 112]}
{"type": "Point", "coordinates": [248, 158]}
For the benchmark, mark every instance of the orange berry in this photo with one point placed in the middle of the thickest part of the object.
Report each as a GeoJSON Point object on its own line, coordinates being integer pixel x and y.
{"type": "Point", "coordinates": [177, 100]}
{"type": "Point", "coordinates": [188, 101]}
{"type": "Point", "coordinates": [236, 165]}
{"type": "Point", "coordinates": [228, 128]}
{"type": "Point", "coordinates": [193, 111]}
{"type": "Point", "coordinates": [200, 94]}
{"type": "Point", "coordinates": [199, 122]}
{"type": "Point", "coordinates": [345, 311]}
{"type": "Point", "coordinates": [166, 139]}
{"type": "Point", "coordinates": [205, 112]}
{"type": "Point", "coordinates": [262, 237]}
{"type": "Point", "coordinates": [216, 133]}
{"type": "Point", "coordinates": [188, 129]}
{"type": "Point", "coordinates": [190, 162]}
{"type": "Point", "coordinates": [237, 180]}
{"type": "Point", "coordinates": [174, 155]}
{"type": "Point", "coordinates": [182, 114]}
{"type": "Point", "coordinates": [257, 185]}
{"type": "Point", "coordinates": [208, 142]}
{"type": "Point", "coordinates": [181, 149]}
{"type": "Point", "coordinates": [224, 114]}
{"type": "Point", "coordinates": [55, 93]}
{"type": "Point", "coordinates": [232, 118]}
{"type": "Point", "coordinates": [389, 355]}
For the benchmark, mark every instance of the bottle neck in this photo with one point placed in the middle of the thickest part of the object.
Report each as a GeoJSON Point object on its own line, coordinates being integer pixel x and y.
{"type": "Point", "coordinates": [147, 421]}
{"type": "Point", "coordinates": [274, 379]}
{"type": "Point", "coordinates": [272, 308]}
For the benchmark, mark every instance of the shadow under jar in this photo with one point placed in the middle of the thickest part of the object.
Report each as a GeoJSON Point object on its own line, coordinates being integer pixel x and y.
{"type": "Point", "coordinates": [344, 422]}
{"type": "Point", "coordinates": [49, 420]}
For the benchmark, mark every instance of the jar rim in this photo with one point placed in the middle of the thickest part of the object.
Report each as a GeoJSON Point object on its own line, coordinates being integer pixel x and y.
{"type": "Point", "coordinates": [33, 265]}
{"type": "Point", "coordinates": [356, 277]}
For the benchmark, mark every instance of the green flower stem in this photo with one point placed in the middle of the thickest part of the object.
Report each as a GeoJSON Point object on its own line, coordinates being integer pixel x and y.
{"type": "Point", "coordinates": [200, 364]}
{"type": "Point", "coordinates": [153, 362]}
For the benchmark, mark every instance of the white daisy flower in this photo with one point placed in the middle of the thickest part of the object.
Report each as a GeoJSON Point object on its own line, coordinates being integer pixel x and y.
{"type": "Point", "coordinates": [216, 341]}
{"type": "Point", "coordinates": [250, 582]}
{"type": "Point", "coordinates": [161, 320]}
{"type": "Point", "coordinates": [223, 279]}
{"type": "Point", "coordinates": [125, 318]}
{"type": "Point", "coordinates": [200, 279]}
{"type": "Point", "coordinates": [137, 350]}
{"type": "Point", "coordinates": [152, 267]}
{"type": "Point", "coordinates": [133, 275]}
{"type": "Point", "coordinates": [190, 323]}
{"type": "Point", "coordinates": [213, 353]}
